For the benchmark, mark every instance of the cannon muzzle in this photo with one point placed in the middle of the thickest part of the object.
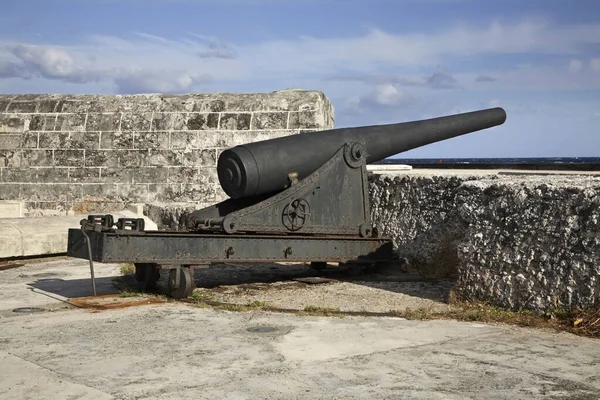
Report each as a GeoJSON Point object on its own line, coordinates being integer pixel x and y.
{"type": "Point", "coordinates": [263, 167]}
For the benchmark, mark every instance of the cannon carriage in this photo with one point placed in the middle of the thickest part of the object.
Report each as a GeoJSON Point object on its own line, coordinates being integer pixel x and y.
{"type": "Point", "coordinates": [299, 198]}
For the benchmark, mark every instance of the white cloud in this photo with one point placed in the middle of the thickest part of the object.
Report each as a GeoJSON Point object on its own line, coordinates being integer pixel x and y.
{"type": "Point", "coordinates": [595, 64]}
{"type": "Point", "coordinates": [387, 95]}
{"type": "Point", "coordinates": [575, 66]}
{"type": "Point", "coordinates": [148, 62]}
{"type": "Point", "coordinates": [46, 62]}
{"type": "Point", "coordinates": [148, 81]}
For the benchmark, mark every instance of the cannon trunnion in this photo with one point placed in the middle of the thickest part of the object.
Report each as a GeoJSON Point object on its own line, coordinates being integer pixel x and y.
{"type": "Point", "coordinates": [312, 209]}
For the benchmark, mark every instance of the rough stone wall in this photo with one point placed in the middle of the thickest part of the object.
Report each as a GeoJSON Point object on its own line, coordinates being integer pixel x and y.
{"type": "Point", "coordinates": [64, 154]}
{"type": "Point", "coordinates": [520, 242]}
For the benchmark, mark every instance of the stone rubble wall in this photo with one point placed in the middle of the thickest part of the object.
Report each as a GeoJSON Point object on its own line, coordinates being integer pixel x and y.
{"type": "Point", "coordinates": [516, 241]}
{"type": "Point", "coordinates": [75, 154]}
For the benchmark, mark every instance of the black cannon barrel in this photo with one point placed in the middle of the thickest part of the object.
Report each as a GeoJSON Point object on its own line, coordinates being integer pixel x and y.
{"type": "Point", "coordinates": [263, 167]}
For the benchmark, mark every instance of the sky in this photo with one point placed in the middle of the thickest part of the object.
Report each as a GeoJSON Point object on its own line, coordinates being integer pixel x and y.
{"type": "Point", "coordinates": [378, 61]}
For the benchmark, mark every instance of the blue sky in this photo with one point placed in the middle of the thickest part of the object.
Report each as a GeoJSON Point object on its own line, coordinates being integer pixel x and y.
{"type": "Point", "coordinates": [378, 61]}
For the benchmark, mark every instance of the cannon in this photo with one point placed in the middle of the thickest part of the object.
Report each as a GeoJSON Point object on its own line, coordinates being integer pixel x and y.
{"type": "Point", "coordinates": [299, 198]}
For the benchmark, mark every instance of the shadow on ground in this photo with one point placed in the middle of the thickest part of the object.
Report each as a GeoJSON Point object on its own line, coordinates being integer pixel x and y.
{"type": "Point", "coordinates": [258, 276]}
{"type": "Point", "coordinates": [73, 288]}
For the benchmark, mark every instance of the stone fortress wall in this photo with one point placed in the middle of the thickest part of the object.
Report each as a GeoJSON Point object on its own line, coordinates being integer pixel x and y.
{"type": "Point", "coordinates": [517, 241]}
{"type": "Point", "coordinates": [65, 154]}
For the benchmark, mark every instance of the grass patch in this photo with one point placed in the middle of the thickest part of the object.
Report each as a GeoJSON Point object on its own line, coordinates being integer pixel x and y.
{"type": "Point", "coordinates": [320, 311]}
{"type": "Point", "coordinates": [205, 299]}
{"type": "Point", "coordinates": [127, 269]}
{"type": "Point", "coordinates": [252, 306]}
{"type": "Point", "coordinates": [257, 304]}
{"type": "Point", "coordinates": [574, 320]}
{"type": "Point", "coordinates": [200, 296]}
{"type": "Point", "coordinates": [421, 313]}
{"type": "Point", "coordinates": [128, 294]}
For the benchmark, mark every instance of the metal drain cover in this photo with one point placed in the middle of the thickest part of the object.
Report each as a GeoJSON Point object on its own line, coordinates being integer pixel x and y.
{"type": "Point", "coordinates": [263, 329]}
{"type": "Point", "coordinates": [28, 310]}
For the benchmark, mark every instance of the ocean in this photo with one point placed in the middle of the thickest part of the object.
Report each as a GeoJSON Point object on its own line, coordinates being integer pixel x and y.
{"type": "Point", "coordinates": [537, 163]}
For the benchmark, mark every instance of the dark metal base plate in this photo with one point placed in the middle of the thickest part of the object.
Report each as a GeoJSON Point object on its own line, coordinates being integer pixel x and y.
{"type": "Point", "coordinates": [193, 248]}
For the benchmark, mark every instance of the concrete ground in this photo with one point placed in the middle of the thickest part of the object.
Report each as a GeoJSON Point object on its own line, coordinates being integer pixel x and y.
{"type": "Point", "coordinates": [162, 349]}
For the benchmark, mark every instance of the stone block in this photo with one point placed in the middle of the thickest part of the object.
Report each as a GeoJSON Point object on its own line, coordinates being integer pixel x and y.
{"type": "Point", "coordinates": [178, 121]}
{"type": "Point", "coordinates": [161, 158]}
{"type": "Point", "coordinates": [116, 140]}
{"type": "Point", "coordinates": [151, 140]}
{"type": "Point", "coordinates": [184, 140]}
{"type": "Point", "coordinates": [48, 125]}
{"type": "Point", "coordinates": [118, 174]}
{"type": "Point", "coordinates": [11, 123]}
{"type": "Point", "coordinates": [36, 158]}
{"type": "Point", "coordinates": [69, 158]}
{"type": "Point", "coordinates": [283, 100]}
{"type": "Point", "coordinates": [36, 123]}
{"type": "Point", "coordinates": [4, 105]}
{"type": "Point", "coordinates": [71, 106]}
{"type": "Point", "coordinates": [136, 122]}
{"type": "Point", "coordinates": [173, 193]}
{"type": "Point", "coordinates": [217, 139]}
{"type": "Point", "coordinates": [29, 140]}
{"type": "Point", "coordinates": [10, 159]}
{"type": "Point", "coordinates": [58, 192]}
{"type": "Point", "coordinates": [131, 158]}
{"type": "Point", "coordinates": [207, 176]}
{"type": "Point", "coordinates": [183, 175]}
{"type": "Point", "coordinates": [193, 192]}
{"type": "Point", "coordinates": [202, 121]}
{"type": "Point", "coordinates": [83, 140]}
{"type": "Point", "coordinates": [10, 142]}
{"type": "Point", "coordinates": [180, 103]}
{"type": "Point", "coordinates": [104, 190]}
{"type": "Point", "coordinates": [150, 174]}
{"type": "Point", "coordinates": [226, 139]}
{"type": "Point", "coordinates": [133, 192]}
{"type": "Point", "coordinates": [215, 105]}
{"type": "Point", "coordinates": [199, 158]}
{"type": "Point", "coordinates": [101, 158]}
{"type": "Point", "coordinates": [47, 106]}
{"type": "Point", "coordinates": [269, 120]}
{"type": "Point", "coordinates": [237, 121]}
{"type": "Point", "coordinates": [53, 140]}
{"type": "Point", "coordinates": [16, 175]}
{"type": "Point", "coordinates": [71, 123]}
{"type": "Point", "coordinates": [69, 140]}
{"type": "Point", "coordinates": [162, 122]}
{"type": "Point", "coordinates": [163, 192]}
{"type": "Point", "coordinates": [10, 191]}
{"type": "Point", "coordinates": [50, 175]}
{"type": "Point", "coordinates": [84, 175]}
{"type": "Point", "coordinates": [26, 107]}
{"type": "Point", "coordinates": [304, 120]}
{"type": "Point", "coordinates": [11, 209]}
{"type": "Point", "coordinates": [103, 122]}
